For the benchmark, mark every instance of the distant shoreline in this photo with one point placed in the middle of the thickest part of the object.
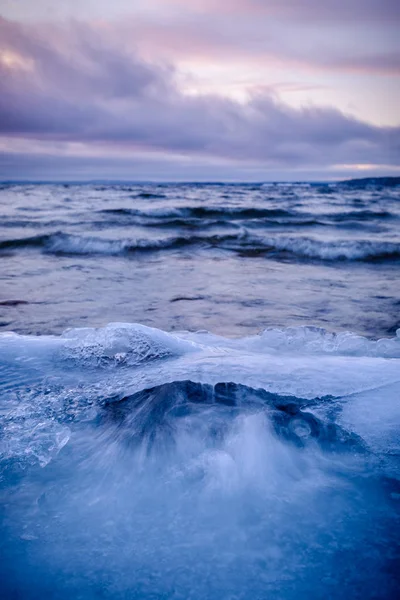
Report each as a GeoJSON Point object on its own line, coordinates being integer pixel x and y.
{"type": "Point", "coordinates": [387, 181]}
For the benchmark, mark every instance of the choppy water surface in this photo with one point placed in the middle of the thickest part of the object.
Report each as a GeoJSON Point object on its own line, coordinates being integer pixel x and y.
{"type": "Point", "coordinates": [232, 259]}
{"type": "Point", "coordinates": [257, 460]}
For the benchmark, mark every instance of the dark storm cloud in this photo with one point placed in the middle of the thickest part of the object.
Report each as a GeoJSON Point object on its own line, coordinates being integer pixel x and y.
{"type": "Point", "coordinates": [73, 85]}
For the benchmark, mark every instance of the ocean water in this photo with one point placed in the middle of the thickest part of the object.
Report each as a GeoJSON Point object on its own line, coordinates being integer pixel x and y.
{"type": "Point", "coordinates": [232, 259]}
{"type": "Point", "coordinates": [199, 391]}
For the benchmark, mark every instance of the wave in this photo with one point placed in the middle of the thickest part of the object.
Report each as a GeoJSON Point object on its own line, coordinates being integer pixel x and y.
{"type": "Point", "coordinates": [361, 215]}
{"type": "Point", "coordinates": [201, 217]}
{"type": "Point", "coordinates": [63, 243]}
{"type": "Point", "coordinates": [232, 213]}
{"type": "Point", "coordinates": [187, 219]}
{"type": "Point", "coordinates": [307, 248]}
{"type": "Point", "coordinates": [107, 187]}
{"type": "Point", "coordinates": [200, 212]}
{"type": "Point", "coordinates": [241, 241]}
{"type": "Point", "coordinates": [148, 195]}
{"type": "Point", "coordinates": [27, 242]}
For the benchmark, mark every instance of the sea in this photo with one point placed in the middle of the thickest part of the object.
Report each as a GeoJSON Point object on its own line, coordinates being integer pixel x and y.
{"type": "Point", "coordinates": [200, 391]}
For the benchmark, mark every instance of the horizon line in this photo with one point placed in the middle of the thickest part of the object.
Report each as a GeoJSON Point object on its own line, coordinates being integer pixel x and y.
{"type": "Point", "coordinates": [192, 181]}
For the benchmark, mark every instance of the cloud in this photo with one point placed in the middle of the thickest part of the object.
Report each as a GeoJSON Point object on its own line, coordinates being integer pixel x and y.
{"type": "Point", "coordinates": [358, 36]}
{"type": "Point", "coordinates": [315, 10]}
{"type": "Point", "coordinates": [272, 37]}
{"type": "Point", "coordinates": [72, 84]}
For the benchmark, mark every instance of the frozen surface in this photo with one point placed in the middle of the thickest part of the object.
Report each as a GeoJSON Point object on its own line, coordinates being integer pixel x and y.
{"type": "Point", "coordinates": [129, 471]}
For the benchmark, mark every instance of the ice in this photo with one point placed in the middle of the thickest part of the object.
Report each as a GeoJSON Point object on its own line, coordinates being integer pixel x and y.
{"type": "Point", "coordinates": [314, 340]}
{"type": "Point", "coordinates": [142, 464]}
{"type": "Point", "coordinates": [120, 343]}
{"type": "Point", "coordinates": [375, 415]}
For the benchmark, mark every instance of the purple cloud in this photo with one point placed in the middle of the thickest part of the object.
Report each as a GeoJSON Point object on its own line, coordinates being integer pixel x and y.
{"type": "Point", "coordinates": [315, 10]}
{"type": "Point", "coordinates": [76, 86]}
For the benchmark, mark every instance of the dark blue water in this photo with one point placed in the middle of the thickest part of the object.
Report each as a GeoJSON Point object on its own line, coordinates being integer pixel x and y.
{"type": "Point", "coordinates": [199, 391]}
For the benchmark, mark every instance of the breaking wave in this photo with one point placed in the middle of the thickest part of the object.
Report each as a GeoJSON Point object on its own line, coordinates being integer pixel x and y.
{"type": "Point", "coordinates": [200, 212]}
{"type": "Point", "coordinates": [63, 243]}
{"type": "Point", "coordinates": [354, 250]}
{"type": "Point", "coordinates": [241, 241]}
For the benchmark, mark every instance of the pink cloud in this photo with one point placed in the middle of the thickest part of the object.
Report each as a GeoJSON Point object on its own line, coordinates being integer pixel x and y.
{"type": "Point", "coordinates": [216, 37]}
{"type": "Point", "coordinates": [98, 93]}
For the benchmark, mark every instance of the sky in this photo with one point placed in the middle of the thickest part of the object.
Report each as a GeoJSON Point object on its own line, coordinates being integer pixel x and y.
{"type": "Point", "coordinates": [233, 90]}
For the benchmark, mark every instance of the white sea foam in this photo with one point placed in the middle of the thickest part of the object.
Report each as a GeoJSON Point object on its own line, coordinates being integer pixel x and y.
{"type": "Point", "coordinates": [237, 238]}
{"type": "Point", "coordinates": [329, 249]}
{"type": "Point", "coordinates": [301, 247]}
